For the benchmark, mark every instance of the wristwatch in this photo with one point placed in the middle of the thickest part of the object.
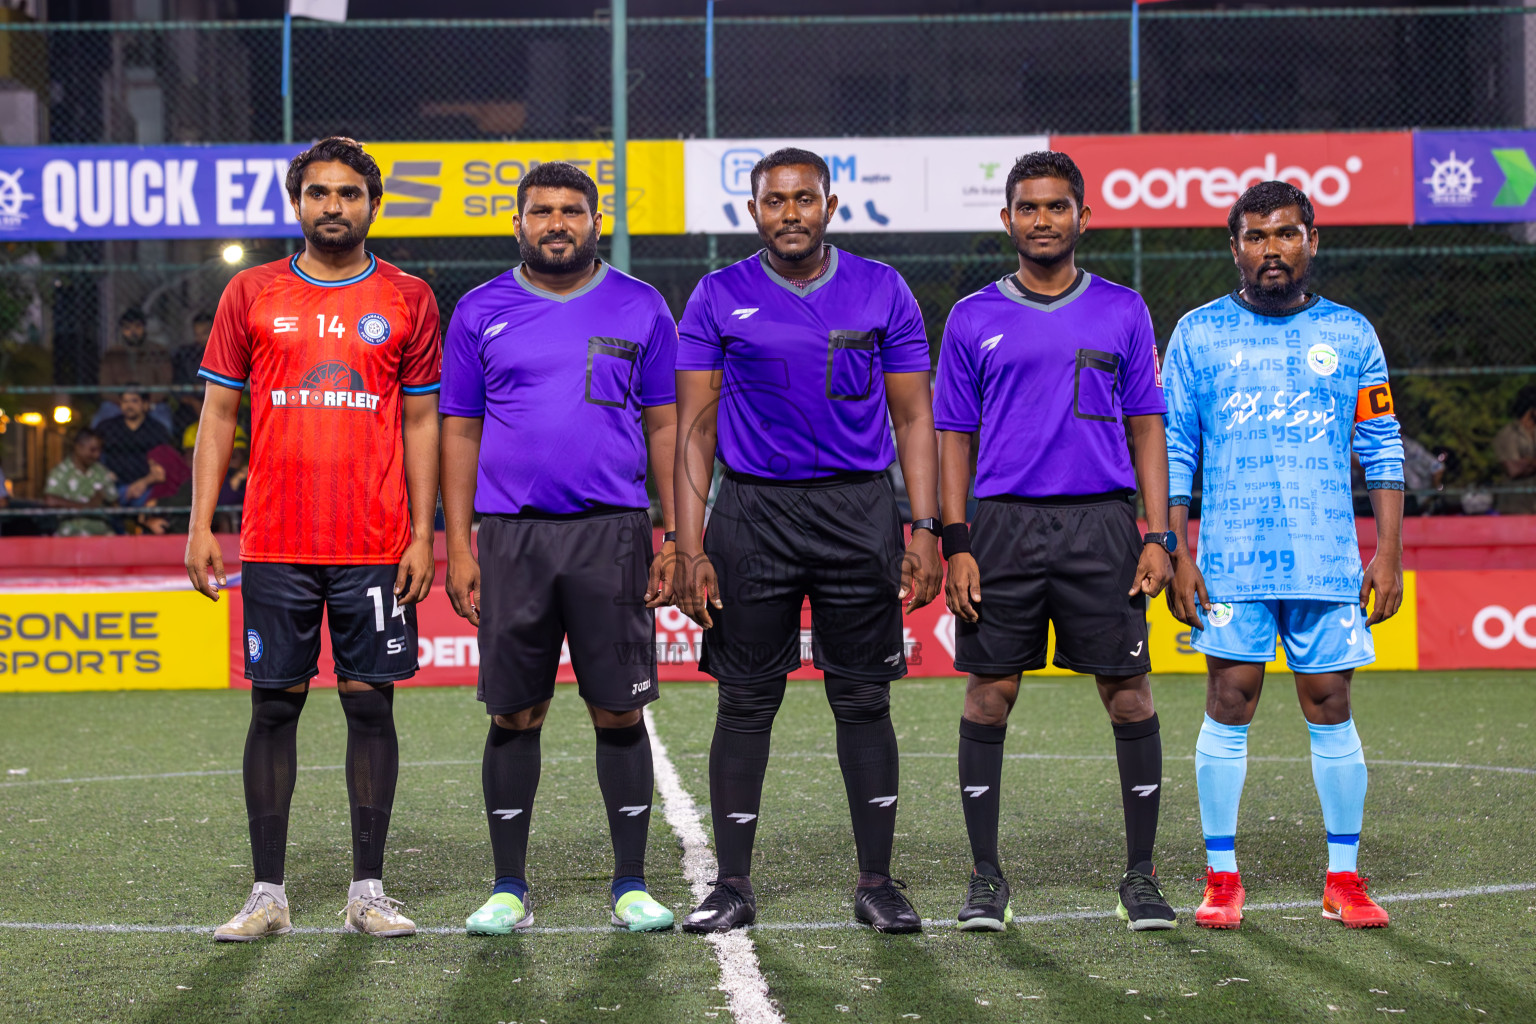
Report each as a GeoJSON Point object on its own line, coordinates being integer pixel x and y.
{"type": "Point", "coordinates": [670, 537]}
{"type": "Point", "coordinates": [1168, 541]}
{"type": "Point", "coordinates": [930, 524]}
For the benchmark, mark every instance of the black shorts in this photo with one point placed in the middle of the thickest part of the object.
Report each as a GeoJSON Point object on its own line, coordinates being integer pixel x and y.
{"type": "Point", "coordinates": [373, 639]}
{"type": "Point", "coordinates": [1063, 564]}
{"type": "Point", "coordinates": [544, 581]}
{"type": "Point", "coordinates": [772, 545]}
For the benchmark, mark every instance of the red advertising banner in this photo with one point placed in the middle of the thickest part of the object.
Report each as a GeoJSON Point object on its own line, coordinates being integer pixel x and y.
{"type": "Point", "coordinates": [1477, 619]}
{"type": "Point", "coordinates": [1180, 181]}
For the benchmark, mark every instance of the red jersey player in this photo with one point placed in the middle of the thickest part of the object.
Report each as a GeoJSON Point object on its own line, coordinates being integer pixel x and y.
{"type": "Point", "coordinates": [342, 353]}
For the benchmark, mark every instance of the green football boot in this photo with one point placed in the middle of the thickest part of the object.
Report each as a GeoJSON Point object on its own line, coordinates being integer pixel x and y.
{"type": "Point", "coordinates": [502, 914]}
{"type": "Point", "coordinates": [636, 911]}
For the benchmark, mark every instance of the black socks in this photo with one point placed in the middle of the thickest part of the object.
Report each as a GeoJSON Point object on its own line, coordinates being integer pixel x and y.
{"type": "Point", "coordinates": [373, 762]}
{"type": "Point", "coordinates": [271, 763]}
{"type": "Point", "coordinates": [1139, 751]}
{"type": "Point", "coordinates": [509, 775]}
{"type": "Point", "coordinates": [737, 763]}
{"type": "Point", "coordinates": [981, 779]}
{"type": "Point", "coordinates": [866, 752]}
{"type": "Point", "coordinates": [624, 775]}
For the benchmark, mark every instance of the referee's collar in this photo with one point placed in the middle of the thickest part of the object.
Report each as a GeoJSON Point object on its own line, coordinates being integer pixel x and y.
{"type": "Point", "coordinates": [788, 285]}
{"type": "Point", "coordinates": [533, 289]}
{"type": "Point", "coordinates": [1010, 288]}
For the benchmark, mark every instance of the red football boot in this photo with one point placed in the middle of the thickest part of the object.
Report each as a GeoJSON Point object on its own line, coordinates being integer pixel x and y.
{"type": "Point", "coordinates": [1344, 899]}
{"type": "Point", "coordinates": [1222, 906]}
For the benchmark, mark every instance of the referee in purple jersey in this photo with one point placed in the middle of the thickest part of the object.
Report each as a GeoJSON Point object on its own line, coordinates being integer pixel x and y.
{"type": "Point", "coordinates": [802, 360]}
{"type": "Point", "coordinates": [1043, 378]}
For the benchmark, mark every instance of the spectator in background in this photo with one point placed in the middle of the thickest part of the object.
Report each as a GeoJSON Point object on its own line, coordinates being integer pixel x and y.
{"type": "Point", "coordinates": [187, 359]}
{"type": "Point", "coordinates": [81, 481]}
{"type": "Point", "coordinates": [189, 411]}
{"type": "Point", "coordinates": [5, 489]}
{"type": "Point", "coordinates": [1515, 448]}
{"type": "Point", "coordinates": [126, 441]}
{"type": "Point", "coordinates": [134, 359]}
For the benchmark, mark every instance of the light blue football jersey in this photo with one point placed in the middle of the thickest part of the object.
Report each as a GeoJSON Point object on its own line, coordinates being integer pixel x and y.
{"type": "Point", "coordinates": [1274, 403]}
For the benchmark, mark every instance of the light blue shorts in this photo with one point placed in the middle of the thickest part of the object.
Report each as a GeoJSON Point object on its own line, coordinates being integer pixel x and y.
{"type": "Point", "coordinates": [1319, 636]}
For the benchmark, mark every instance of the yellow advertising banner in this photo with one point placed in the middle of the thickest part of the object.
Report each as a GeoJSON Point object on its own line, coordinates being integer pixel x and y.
{"type": "Point", "coordinates": [1397, 640]}
{"type": "Point", "coordinates": [128, 640]}
{"type": "Point", "coordinates": [435, 189]}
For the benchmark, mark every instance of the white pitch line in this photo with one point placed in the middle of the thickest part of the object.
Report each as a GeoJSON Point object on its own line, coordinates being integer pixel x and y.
{"type": "Point", "coordinates": [741, 978]}
{"type": "Point", "coordinates": [212, 772]}
{"type": "Point", "coordinates": [1500, 768]}
{"type": "Point", "coordinates": [774, 926]}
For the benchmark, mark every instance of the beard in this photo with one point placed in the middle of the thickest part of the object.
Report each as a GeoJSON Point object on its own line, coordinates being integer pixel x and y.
{"type": "Point", "coordinates": [815, 249]}
{"type": "Point", "coordinates": [349, 239]}
{"type": "Point", "coordinates": [581, 255]}
{"type": "Point", "coordinates": [1281, 294]}
{"type": "Point", "coordinates": [1051, 259]}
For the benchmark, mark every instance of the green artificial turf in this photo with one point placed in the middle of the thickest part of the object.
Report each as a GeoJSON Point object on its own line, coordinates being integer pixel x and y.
{"type": "Point", "coordinates": [168, 850]}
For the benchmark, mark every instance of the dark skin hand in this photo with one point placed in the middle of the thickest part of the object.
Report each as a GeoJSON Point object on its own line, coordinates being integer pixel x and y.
{"type": "Point", "coordinates": [696, 588]}
{"type": "Point", "coordinates": [908, 397]}
{"type": "Point", "coordinates": [460, 456]}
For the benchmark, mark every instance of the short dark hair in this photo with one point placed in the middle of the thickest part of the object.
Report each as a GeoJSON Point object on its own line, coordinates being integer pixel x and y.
{"type": "Point", "coordinates": [337, 149]}
{"type": "Point", "coordinates": [131, 315]}
{"type": "Point", "coordinates": [1525, 401]}
{"type": "Point", "coordinates": [1045, 163]}
{"type": "Point", "coordinates": [558, 174]}
{"type": "Point", "coordinates": [84, 434]}
{"type": "Point", "coordinates": [1264, 199]}
{"type": "Point", "coordinates": [789, 156]}
{"type": "Point", "coordinates": [134, 389]}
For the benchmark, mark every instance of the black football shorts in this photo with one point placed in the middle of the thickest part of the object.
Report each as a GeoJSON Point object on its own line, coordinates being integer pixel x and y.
{"type": "Point", "coordinates": [373, 639]}
{"type": "Point", "coordinates": [546, 581]}
{"type": "Point", "coordinates": [837, 541]}
{"type": "Point", "coordinates": [1061, 564]}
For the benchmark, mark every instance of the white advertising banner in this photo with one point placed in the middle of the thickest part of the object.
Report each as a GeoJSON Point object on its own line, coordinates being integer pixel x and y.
{"type": "Point", "coordinates": [910, 184]}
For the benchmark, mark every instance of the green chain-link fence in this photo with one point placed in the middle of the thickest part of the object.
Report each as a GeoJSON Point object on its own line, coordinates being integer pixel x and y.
{"type": "Point", "coordinates": [1455, 305]}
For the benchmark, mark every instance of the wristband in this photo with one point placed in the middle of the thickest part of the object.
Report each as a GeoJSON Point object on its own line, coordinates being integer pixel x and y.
{"type": "Point", "coordinates": [670, 537]}
{"type": "Point", "coordinates": [957, 540]}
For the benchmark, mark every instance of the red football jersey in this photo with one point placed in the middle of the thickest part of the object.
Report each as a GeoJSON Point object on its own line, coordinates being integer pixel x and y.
{"type": "Point", "coordinates": [327, 362]}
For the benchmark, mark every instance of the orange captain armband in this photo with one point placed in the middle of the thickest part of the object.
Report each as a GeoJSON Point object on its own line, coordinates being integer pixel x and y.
{"type": "Point", "coordinates": [1374, 401]}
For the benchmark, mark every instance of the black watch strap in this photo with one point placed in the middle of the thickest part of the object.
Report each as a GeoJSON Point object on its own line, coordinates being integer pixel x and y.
{"type": "Point", "coordinates": [930, 524]}
{"type": "Point", "coordinates": [1168, 541]}
{"type": "Point", "coordinates": [669, 537]}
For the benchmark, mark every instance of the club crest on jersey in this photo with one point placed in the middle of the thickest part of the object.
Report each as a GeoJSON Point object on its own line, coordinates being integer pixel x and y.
{"type": "Point", "coordinates": [373, 329]}
{"type": "Point", "coordinates": [1221, 613]}
{"type": "Point", "coordinates": [253, 646]}
{"type": "Point", "coordinates": [1323, 360]}
{"type": "Point", "coordinates": [329, 385]}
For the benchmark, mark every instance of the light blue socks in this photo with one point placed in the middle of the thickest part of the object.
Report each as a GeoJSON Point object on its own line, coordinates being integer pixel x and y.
{"type": "Point", "coordinates": [1338, 770]}
{"type": "Point", "coordinates": [1221, 766]}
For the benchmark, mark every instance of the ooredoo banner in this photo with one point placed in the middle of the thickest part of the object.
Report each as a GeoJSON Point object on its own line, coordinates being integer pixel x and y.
{"type": "Point", "coordinates": [1181, 181]}
{"type": "Point", "coordinates": [1478, 620]}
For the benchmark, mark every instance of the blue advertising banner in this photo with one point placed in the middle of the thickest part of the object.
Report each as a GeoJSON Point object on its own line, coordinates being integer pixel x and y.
{"type": "Point", "coordinates": [74, 193]}
{"type": "Point", "coordinates": [1473, 177]}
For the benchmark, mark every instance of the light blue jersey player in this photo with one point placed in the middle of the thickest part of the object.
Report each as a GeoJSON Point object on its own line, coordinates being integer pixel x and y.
{"type": "Point", "coordinates": [1270, 388]}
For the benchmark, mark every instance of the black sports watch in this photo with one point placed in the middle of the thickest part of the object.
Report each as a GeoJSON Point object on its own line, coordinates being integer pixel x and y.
{"type": "Point", "coordinates": [1169, 541]}
{"type": "Point", "coordinates": [670, 537]}
{"type": "Point", "coordinates": [930, 524]}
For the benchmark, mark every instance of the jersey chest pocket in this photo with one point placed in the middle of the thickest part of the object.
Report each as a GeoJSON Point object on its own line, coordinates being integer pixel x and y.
{"type": "Point", "coordinates": [610, 370]}
{"type": "Point", "coordinates": [1093, 386]}
{"type": "Point", "coordinates": [851, 364]}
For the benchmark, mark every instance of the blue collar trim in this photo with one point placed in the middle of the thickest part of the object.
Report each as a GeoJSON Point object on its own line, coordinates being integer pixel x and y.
{"type": "Point", "coordinates": [293, 264]}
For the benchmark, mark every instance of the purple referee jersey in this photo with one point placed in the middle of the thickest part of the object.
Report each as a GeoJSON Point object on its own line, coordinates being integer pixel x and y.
{"type": "Point", "coordinates": [803, 393]}
{"type": "Point", "coordinates": [560, 381]}
{"type": "Point", "coordinates": [1047, 381]}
